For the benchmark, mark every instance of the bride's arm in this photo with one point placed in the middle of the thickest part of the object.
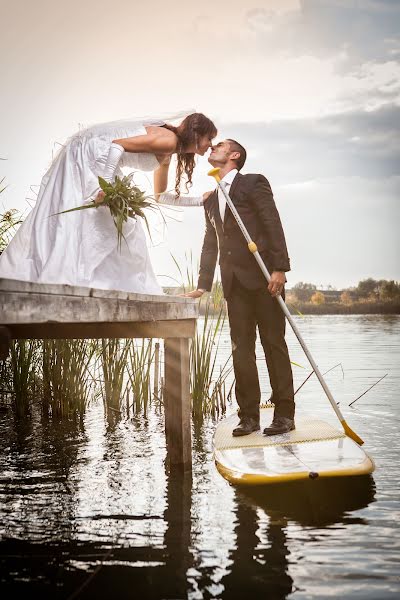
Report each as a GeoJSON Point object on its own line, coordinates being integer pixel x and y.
{"type": "Point", "coordinates": [169, 198]}
{"type": "Point", "coordinates": [155, 143]}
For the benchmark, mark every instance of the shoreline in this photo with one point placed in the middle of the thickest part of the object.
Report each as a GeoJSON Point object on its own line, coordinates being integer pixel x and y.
{"type": "Point", "coordinates": [331, 308]}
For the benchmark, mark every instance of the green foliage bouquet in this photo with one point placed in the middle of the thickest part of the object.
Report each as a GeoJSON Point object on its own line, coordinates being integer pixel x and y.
{"type": "Point", "coordinates": [124, 199]}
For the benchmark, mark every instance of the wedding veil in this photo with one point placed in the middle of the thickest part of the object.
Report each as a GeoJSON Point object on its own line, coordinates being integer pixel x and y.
{"type": "Point", "coordinates": [109, 127]}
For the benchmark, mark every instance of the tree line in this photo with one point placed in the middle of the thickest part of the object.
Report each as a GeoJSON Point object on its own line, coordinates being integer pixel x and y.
{"type": "Point", "coordinates": [367, 290]}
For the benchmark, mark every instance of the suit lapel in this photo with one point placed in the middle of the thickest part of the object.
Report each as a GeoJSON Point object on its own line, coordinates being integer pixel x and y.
{"type": "Point", "coordinates": [232, 189]}
{"type": "Point", "coordinates": [212, 207]}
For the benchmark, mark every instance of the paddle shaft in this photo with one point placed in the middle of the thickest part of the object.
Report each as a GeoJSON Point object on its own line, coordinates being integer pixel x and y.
{"type": "Point", "coordinates": [253, 249]}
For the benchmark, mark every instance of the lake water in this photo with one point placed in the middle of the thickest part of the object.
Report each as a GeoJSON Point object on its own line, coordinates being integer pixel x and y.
{"type": "Point", "coordinates": [93, 512]}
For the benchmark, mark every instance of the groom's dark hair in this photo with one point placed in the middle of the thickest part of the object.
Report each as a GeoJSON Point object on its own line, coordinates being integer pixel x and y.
{"type": "Point", "coordinates": [236, 147]}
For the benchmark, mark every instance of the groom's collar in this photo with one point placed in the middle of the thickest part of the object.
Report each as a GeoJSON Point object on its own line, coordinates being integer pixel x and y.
{"type": "Point", "coordinates": [230, 176]}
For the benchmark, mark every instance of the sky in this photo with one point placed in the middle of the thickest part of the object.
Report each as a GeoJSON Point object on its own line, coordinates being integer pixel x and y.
{"type": "Point", "coordinates": [310, 87]}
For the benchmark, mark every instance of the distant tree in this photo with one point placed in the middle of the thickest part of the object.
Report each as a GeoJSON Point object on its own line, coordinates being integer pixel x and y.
{"type": "Point", "coordinates": [345, 298]}
{"type": "Point", "coordinates": [318, 298]}
{"type": "Point", "coordinates": [304, 291]}
{"type": "Point", "coordinates": [389, 290]}
{"type": "Point", "coordinates": [367, 287]}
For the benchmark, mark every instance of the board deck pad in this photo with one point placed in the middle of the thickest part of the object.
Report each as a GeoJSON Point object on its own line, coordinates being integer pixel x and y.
{"type": "Point", "coordinates": [307, 430]}
{"type": "Point", "coordinates": [315, 448]}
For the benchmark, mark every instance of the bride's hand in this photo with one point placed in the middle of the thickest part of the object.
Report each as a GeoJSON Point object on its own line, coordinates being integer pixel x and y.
{"type": "Point", "coordinates": [193, 294]}
{"type": "Point", "coordinates": [100, 197]}
{"type": "Point", "coordinates": [206, 196]}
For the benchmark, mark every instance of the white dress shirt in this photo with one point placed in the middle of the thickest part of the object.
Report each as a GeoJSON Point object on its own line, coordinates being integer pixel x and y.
{"type": "Point", "coordinates": [227, 180]}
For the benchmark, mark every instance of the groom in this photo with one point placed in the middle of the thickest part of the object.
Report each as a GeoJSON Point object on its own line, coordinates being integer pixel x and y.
{"type": "Point", "coordinates": [250, 299]}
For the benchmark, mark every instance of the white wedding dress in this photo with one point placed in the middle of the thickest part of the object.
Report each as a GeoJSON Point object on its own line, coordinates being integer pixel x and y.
{"type": "Point", "coordinates": [80, 248]}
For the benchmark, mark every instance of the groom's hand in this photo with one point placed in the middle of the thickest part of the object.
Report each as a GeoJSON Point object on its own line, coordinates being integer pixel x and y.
{"type": "Point", "coordinates": [277, 283]}
{"type": "Point", "coordinates": [194, 294]}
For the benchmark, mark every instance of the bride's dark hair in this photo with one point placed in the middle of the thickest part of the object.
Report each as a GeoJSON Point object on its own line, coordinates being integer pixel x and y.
{"type": "Point", "coordinates": [193, 126]}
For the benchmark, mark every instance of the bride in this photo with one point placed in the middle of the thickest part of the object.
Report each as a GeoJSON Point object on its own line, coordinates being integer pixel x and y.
{"type": "Point", "coordinates": [81, 248]}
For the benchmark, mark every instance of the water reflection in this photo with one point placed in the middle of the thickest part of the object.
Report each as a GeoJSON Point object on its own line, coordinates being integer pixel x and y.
{"type": "Point", "coordinates": [179, 558]}
{"type": "Point", "coordinates": [319, 502]}
{"type": "Point", "coordinates": [146, 571]}
{"type": "Point", "coordinates": [258, 570]}
{"type": "Point", "coordinates": [260, 558]}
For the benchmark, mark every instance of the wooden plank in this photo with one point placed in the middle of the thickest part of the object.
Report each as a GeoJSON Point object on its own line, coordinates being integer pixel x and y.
{"type": "Point", "coordinates": [22, 307]}
{"type": "Point", "coordinates": [16, 285]}
{"type": "Point", "coordinates": [184, 328]}
{"type": "Point", "coordinates": [120, 295]}
{"type": "Point", "coordinates": [29, 287]}
{"type": "Point", "coordinates": [177, 405]}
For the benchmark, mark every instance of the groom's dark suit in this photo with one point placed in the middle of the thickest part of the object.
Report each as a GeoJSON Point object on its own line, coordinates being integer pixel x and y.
{"type": "Point", "coordinates": [245, 288]}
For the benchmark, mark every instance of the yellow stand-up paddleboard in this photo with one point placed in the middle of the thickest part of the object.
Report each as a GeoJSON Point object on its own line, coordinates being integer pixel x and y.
{"type": "Point", "coordinates": [314, 449]}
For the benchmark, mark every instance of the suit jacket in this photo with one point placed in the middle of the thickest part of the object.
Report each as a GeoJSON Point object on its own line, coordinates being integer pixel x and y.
{"type": "Point", "coordinates": [252, 196]}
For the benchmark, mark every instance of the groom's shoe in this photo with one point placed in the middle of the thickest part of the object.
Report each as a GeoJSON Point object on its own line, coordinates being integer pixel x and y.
{"type": "Point", "coordinates": [279, 425]}
{"type": "Point", "coordinates": [247, 425]}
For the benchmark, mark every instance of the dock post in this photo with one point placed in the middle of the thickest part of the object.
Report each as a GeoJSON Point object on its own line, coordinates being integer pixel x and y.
{"type": "Point", "coordinates": [177, 402]}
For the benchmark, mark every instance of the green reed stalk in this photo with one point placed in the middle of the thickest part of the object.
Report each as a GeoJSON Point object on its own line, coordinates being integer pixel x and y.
{"type": "Point", "coordinates": [113, 363]}
{"type": "Point", "coordinates": [141, 357]}
{"type": "Point", "coordinates": [207, 390]}
{"type": "Point", "coordinates": [25, 361]}
{"type": "Point", "coordinates": [204, 389]}
{"type": "Point", "coordinates": [67, 380]}
{"type": "Point", "coordinates": [6, 378]}
{"type": "Point", "coordinates": [9, 222]}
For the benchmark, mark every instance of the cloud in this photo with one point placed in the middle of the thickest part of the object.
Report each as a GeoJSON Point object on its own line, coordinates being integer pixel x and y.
{"type": "Point", "coordinates": [356, 31]}
{"type": "Point", "coordinates": [356, 143]}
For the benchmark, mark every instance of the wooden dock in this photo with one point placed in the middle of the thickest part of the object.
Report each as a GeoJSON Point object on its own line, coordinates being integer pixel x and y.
{"type": "Point", "coordinates": [44, 311]}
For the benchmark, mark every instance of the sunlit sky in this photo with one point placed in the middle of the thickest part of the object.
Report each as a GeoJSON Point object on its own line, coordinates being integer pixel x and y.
{"type": "Point", "coordinates": [311, 88]}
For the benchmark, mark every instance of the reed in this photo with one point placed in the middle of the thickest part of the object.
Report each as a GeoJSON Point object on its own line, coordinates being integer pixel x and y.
{"type": "Point", "coordinates": [113, 357]}
{"type": "Point", "coordinates": [68, 384]}
{"type": "Point", "coordinates": [141, 358]}
{"type": "Point", "coordinates": [9, 222]}
{"type": "Point", "coordinates": [187, 278]}
{"type": "Point", "coordinates": [207, 389]}
{"type": "Point", "coordinates": [24, 367]}
{"type": "Point", "coordinates": [6, 379]}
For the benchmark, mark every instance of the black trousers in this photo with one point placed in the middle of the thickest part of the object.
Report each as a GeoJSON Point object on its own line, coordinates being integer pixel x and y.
{"type": "Point", "coordinates": [247, 310]}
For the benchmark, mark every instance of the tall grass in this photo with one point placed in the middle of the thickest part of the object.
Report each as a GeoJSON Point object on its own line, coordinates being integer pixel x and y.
{"type": "Point", "coordinates": [207, 388]}
{"type": "Point", "coordinates": [24, 364]}
{"type": "Point", "coordinates": [125, 368]}
{"type": "Point", "coordinates": [113, 355]}
{"type": "Point", "coordinates": [9, 222]}
{"type": "Point", "coordinates": [68, 384]}
{"type": "Point", "coordinates": [141, 358]}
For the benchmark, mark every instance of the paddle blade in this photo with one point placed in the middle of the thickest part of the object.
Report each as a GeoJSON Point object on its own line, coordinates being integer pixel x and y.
{"type": "Point", "coordinates": [351, 434]}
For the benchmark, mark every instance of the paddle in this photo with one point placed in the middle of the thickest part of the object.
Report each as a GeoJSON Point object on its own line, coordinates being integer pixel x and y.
{"type": "Point", "coordinates": [253, 248]}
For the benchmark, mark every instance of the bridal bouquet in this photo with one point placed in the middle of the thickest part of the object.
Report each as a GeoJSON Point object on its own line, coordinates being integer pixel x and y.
{"type": "Point", "coordinates": [124, 199]}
